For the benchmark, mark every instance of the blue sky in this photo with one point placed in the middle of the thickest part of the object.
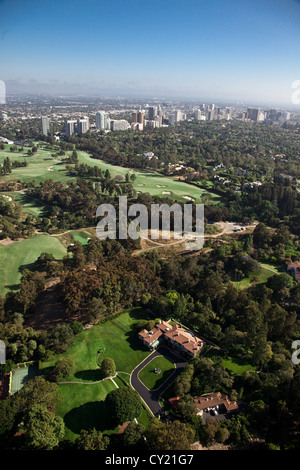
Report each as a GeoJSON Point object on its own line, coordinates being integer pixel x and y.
{"type": "Point", "coordinates": [245, 50]}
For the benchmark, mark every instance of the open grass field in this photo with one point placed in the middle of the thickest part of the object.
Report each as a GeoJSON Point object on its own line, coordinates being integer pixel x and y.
{"type": "Point", "coordinates": [18, 255]}
{"type": "Point", "coordinates": [152, 182]}
{"type": "Point", "coordinates": [119, 341]}
{"type": "Point", "coordinates": [82, 404]}
{"type": "Point", "coordinates": [234, 365]}
{"type": "Point", "coordinates": [153, 380]}
{"type": "Point", "coordinates": [82, 407]}
{"type": "Point", "coordinates": [43, 166]}
{"type": "Point", "coordinates": [258, 277]}
{"type": "Point", "coordinates": [30, 205]}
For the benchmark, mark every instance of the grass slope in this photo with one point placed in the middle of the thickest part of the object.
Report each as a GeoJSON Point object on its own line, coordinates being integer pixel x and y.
{"type": "Point", "coordinates": [19, 255]}
{"type": "Point", "coordinates": [43, 166]}
{"type": "Point", "coordinates": [82, 405]}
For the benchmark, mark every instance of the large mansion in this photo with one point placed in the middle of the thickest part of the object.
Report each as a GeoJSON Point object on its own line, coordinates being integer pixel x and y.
{"type": "Point", "coordinates": [174, 336]}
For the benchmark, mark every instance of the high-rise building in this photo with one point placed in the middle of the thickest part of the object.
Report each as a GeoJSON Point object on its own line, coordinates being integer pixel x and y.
{"type": "Point", "coordinates": [178, 115]}
{"type": "Point", "coordinates": [83, 125]}
{"type": "Point", "coordinates": [102, 120]}
{"type": "Point", "coordinates": [45, 122]}
{"type": "Point", "coordinates": [119, 125]}
{"type": "Point", "coordinates": [253, 114]}
{"type": "Point", "coordinates": [140, 117]}
{"type": "Point", "coordinates": [152, 113]}
{"type": "Point", "coordinates": [70, 127]}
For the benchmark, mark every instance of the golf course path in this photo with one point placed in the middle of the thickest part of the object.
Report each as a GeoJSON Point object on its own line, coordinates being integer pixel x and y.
{"type": "Point", "coordinates": [151, 397]}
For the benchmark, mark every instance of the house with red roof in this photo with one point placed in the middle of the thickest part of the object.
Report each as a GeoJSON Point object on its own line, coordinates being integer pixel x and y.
{"type": "Point", "coordinates": [294, 270]}
{"type": "Point", "coordinates": [175, 336]}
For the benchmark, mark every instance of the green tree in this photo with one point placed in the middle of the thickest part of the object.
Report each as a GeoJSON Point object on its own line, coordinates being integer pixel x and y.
{"type": "Point", "coordinates": [171, 436]}
{"type": "Point", "coordinates": [108, 367]}
{"type": "Point", "coordinates": [124, 404]}
{"type": "Point", "coordinates": [37, 391]}
{"type": "Point", "coordinates": [44, 429]}
{"type": "Point", "coordinates": [92, 440]}
{"type": "Point", "coordinates": [62, 369]}
{"type": "Point", "coordinates": [133, 435]}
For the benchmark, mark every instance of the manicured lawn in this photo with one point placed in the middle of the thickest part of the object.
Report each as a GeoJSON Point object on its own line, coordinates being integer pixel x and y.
{"type": "Point", "coordinates": [19, 255]}
{"type": "Point", "coordinates": [118, 340]}
{"type": "Point", "coordinates": [83, 407]}
{"type": "Point", "coordinates": [153, 380]}
{"type": "Point", "coordinates": [237, 368]}
{"type": "Point", "coordinates": [81, 236]}
{"type": "Point", "coordinates": [30, 205]}
{"type": "Point", "coordinates": [151, 182]}
{"type": "Point", "coordinates": [83, 402]}
{"type": "Point", "coordinates": [258, 277]}
{"type": "Point", "coordinates": [43, 166]}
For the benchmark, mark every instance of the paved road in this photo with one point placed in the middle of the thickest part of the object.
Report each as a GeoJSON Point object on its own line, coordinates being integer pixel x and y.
{"type": "Point", "coordinates": [151, 397]}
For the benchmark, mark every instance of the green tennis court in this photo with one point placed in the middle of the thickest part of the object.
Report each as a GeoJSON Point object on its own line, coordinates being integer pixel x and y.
{"type": "Point", "coordinates": [21, 375]}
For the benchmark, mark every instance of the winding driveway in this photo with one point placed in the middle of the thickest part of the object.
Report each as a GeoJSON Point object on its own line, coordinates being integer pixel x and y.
{"type": "Point", "coordinates": [151, 397]}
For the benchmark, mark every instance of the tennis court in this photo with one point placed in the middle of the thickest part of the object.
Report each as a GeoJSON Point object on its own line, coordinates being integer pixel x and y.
{"type": "Point", "coordinates": [20, 376]}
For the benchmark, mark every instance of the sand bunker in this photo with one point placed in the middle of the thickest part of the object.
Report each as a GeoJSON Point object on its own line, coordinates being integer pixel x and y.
{"type": "Point", "coordinates": [166, 192]}
{"type": "Point", "coordinates": [189, 198]}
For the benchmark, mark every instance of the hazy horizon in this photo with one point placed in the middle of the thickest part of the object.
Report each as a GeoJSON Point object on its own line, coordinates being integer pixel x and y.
{"type": "Point", "coordinates": [194, 49]}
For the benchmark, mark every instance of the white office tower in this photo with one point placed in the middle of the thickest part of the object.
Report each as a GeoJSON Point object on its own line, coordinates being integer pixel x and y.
{"type": "Point", "coordinates": [197, 115]}
{"type": "Point", "coordinates": [158, 121]}
{"type": "Point", "coordinates": [70, 127]}
{"type": "Point", "coordinates": [119, 125]}
{"type": "Point", "coordinates": [178, 115]}
{"type": "Point", "coordinates": [83, 125]}
{"type": "Point", "coordinates": [102, 120]}
{"type": "Point", "coordinates": [45, 122]}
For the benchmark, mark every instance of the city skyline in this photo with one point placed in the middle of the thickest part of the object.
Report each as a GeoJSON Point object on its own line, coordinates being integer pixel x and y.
{"type": "Point", "coordinates": [238, 51]}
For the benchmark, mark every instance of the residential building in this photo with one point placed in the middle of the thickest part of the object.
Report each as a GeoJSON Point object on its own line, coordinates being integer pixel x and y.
{"type": "Point", "coordinates": [175, 336]}
{"type": "Point", "coordinates": [102, 120]}
{"type": "Point", "coordinates": [70, 127]}
{"type": "Point", "coordinates": [45, 122]}
{"type": "Point", "coordinates": [152, 112]}
{"type": "Point", "coordinates": [294, 270]}
{"type": "Point", "coordinates": [83, 125]}
{"type": "Point", "coordinates": [119, 125]}
{"type": "Point", "coordinates": [140, 117]}
{"type": "Point", "coordinates": [214, 400]}
{"type": "Point", "coordinates": [216, 404]}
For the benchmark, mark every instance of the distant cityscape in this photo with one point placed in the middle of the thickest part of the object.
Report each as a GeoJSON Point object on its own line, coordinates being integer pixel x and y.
{"type": "Point", "coordinates": [156, 117]}
{"type": "Point", "coordinates": [74, 116]}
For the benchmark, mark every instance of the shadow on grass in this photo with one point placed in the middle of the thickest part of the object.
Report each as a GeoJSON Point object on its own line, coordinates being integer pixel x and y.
{"type": "Point", "coordinates": [12, 286]}
{"type": "Point", "coordinates": [132, 335]}
{"type": "Point", "coordinates": [92, 374]}
{"type": "Point", "coordinates": [88, 416]}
